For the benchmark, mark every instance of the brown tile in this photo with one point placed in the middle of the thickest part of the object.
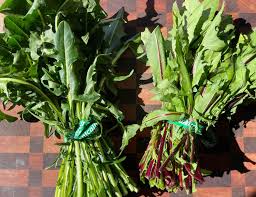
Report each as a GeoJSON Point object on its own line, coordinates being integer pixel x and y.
{"type": "Point", "coordinates": [6, 192]}
{"type": "Point", "coordinates": [160, 5]}
{"type": "Point", "coordinates": [168, 21]}
{"type": "Point", "coordinates": [35, 192]}
{"type": "Point", "coordinates": [36, 129]}
{"type": "Point", "coordinates": [49, 178]}
{"type": "Point", "coordinates": [14, 178]}
{"type": "Point", "coordinates": [114, 6]}
{"type": "Point", "coordinates": [13, 161]}
{"type": "Point", "coordinates": [238, 192]}
{"type": "Point", "coordinates": [7, 161]}
{"type": "Point", "coordinates": [150, 108]}
{"type": "Point", "coordinates": [21, 161]}
{"type": "Point", "coordinates": [104, 4]}
{"type": "Point", "coordinates": [18, 128]}
{"type": "Point", "coordinates": [247, 6]}
{"type": "Point", "coordinates": [251, 124]}
{"type": "Point", "coordinates": [231, 6]}
{"type": "Point", "coordinates": [49, 191]}
{"type": "Point", "coordinates": [237, 179]}
{"type": "Point", "coordinates": [250, 178]}
{"type": "Point", "coordinates": [49, 159]}
{"type": "Point", "coordinates": [141, 6]}
{"type": "Point", "coordinates": [36, 161]}
{"type": "Point", "coordinates": [132, 16]}
{"type": "Point", "coordinates": [13, 192]}
{"type": "Point", "coordinates": [216, 192]}
{"type": "Point", "coordinates": [146, 97]}
{"type": "Point", "coordinates": [223, 181]}
{"type": "Point", "coordinates": [249, 132]}
{"type": "Point", "coordinates": [180, 194]}
{"type": "Point", "coordinates": [130, 6]}
{"type": "Point", "coordinates": [50, 145]}
{"type": "Point", "coordinates": [249, 165]}
{"type": "Point", "coordinates": [36, 144]}
{"type": "Point", "coordinates": [250, 191]}
{"type": "Point", "coordinates": [12, 144]}
{"type": "Point", "coordinates": [249, 144]}
{"type": "Point", "coordinates": [235, 15]}
{"type": "Point", "coordinates": [165, 194]}
{"type": "Point", "coordinates": [20, 192]}
{"type": "Point", "coordinates": [35, 178]}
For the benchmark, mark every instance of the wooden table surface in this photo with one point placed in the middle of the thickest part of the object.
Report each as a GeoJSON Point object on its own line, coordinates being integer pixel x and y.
{"type": "Point", "coordinates": [24, 152]}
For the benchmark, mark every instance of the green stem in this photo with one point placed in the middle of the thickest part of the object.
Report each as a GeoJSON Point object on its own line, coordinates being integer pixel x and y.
{"type": "Point", "coordinates": [78, 110]}
{"type": "Point", "coordinates": [42, 18]}
{"type": "Point", "coordinates": [79, 174]}
{"type": "Point", "coordinates": [92, 168]}
{"type": "Point", "coordinates": [120, 170]}
{"type": "Point", "coordinates": [109, 171]}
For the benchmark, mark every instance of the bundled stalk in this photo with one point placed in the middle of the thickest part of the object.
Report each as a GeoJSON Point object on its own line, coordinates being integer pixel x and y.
{"type": "Point", "coordinates": [58, 60]}
{"type": "Point", "coordinates": [204, 68]}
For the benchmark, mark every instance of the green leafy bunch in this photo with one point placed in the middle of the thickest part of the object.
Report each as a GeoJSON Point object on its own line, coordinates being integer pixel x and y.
{"type": "Point", "coordinates": [58, 61]}
{"type": "Point", "coordinates": [204, 68]}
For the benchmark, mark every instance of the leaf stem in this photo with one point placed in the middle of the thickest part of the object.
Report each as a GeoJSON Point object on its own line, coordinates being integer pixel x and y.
{"type": "Point", "coordinates": [79, 175]}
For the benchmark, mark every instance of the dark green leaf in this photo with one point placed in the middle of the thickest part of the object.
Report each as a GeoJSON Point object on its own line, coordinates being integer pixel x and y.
{"type": "Point", "coordinates": [114, 32]}
{"type": "Point", "coordinates": [19, 7]}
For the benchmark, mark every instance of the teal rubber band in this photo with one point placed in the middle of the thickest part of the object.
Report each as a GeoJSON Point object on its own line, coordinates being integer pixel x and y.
{"type": "Point", "coordinates": [86, 129]}
{"type": "Point", "coordinates": [93, 128]}
{"type": "Point", "coordinates": [191, 126]}
{"type": "Point", "coordinates": [81, 128]}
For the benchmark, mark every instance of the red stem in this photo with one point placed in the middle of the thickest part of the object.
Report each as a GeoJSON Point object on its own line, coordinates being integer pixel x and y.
{"type": "Point", "coordinates": [173, 153]}
{"type": "Point", "coordinates": [198, 176]}
{"type": "Point", "coordinates": [161, 148]}
{"type": "Point", "coordinates": [149, 170]}
{"type": "Point", "coordinates": [181, 179]}
{"type": "Point", "coordinates": [171, 137]}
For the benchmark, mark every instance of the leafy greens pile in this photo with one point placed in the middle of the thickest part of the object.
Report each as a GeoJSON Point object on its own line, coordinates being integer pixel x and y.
{"type": "Point", "coordinates": [204, 68]}
{"type": "Point", "coordinates": [58, 60]}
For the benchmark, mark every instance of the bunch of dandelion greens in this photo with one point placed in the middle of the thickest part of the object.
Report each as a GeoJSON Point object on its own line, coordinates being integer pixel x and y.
{"type": "Point", "coordinates": [203, 69]}
{"type": "Point", "coordinates": [58, 60]}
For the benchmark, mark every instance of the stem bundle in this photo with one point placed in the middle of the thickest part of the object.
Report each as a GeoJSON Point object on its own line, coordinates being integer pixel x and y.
{"type": "Point", "coordinates": [168, 162]}
{"type": "Point", "coordinates": [80, 175]}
